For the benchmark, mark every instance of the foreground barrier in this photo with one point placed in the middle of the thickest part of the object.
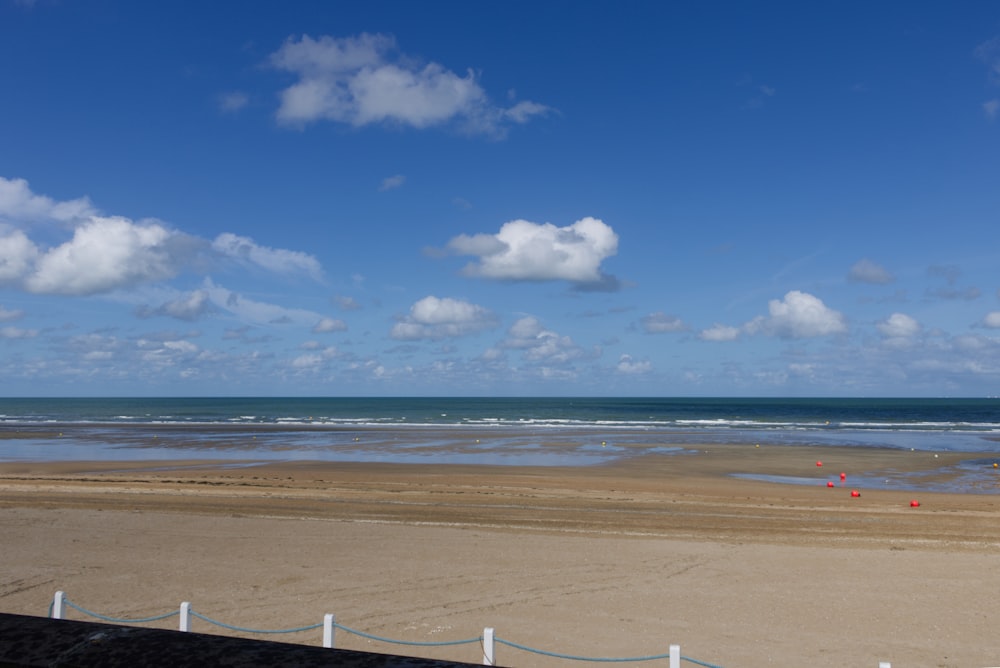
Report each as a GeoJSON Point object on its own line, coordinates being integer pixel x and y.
{"type": "Point", "coordinates": [488, 639]}
{"type": "Point", "coordinates": [32, 642]}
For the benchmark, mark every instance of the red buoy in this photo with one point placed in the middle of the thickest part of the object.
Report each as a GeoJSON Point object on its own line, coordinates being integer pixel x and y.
{"type": "Point", "coordinates": [819, 463]}
{"type": "Point", "coordinates": [829, 484]}
{"type": "Point", "coordinates": [843, 477]}
{"type": "Point", "coordinates": [855, 493]}
{"type": "Point", "coordinates": [914, 504]}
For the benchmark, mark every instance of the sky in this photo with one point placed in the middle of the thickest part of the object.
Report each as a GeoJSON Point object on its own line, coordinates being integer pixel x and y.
{"type": "Point", "coordinates": [499, 198]}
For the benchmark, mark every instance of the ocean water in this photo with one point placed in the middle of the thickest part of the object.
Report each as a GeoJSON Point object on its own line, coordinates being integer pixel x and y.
{"type": "Point", "coordinates": [509, 431]}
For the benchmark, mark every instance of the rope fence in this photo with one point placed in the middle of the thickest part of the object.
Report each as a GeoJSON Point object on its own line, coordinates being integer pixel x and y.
{"type": "Point", "coordinates": [488, 639]}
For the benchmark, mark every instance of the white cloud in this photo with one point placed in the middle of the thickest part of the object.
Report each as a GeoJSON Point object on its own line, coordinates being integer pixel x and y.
{"type": "Point", "coordinates": [277, 260]}
{"type": "Point", "coordinates": [718, 333]}
{"type": "Point", "coordinates": [526, 251]}
{"type": "Point", "coordinates": [106, 254]}
{"type": "Point", "coordinates": [17, 257]}
{"type": "Point", "coordinates": [9, 316]}
{"type": "Point", "coordinates": [899, 326]}
{"type": "Point", "coordinates": [434, 318]}
{"type": "Point", "coordinates": [799, 315]}
{"type": "Point", "coordinates": [307, 361]}
{"type": "Point", "coordinates": [327, 325]}
{"type": "Point", "coordinates": [362, 79]}
{"type": "Point", "coordinates": [992, 320]}
{"type": "Point", "coordinates": [311, 361]}
{"type": "Point", "coordinates": [627, 365]}
{"type": "Point", "coordinates": [660, 322]}
{"type": "Point", "coordinates": [18, 202]}
{"type": "Point", "coordinates": [164, 354]}
{"type": "Point", "coordinates": [524, 333]}
{"type": "Point", "coordinates": [523, 111]}
{"type": "Point", "coordinates": [866, 271]}
{"type": "Point", "coordinates": [539, 344]}
{"type": "Point", "coordinates": [392, 182]}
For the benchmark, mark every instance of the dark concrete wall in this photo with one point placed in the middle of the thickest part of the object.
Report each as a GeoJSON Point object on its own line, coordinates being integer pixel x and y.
{"type": "Point", "coordinates": [40, 641]}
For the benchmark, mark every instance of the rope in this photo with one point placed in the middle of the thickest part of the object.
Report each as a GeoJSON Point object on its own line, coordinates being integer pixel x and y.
{"type": "Point", "coordinates": [654, 657]}
{"type": "Point", "coordinates": [115, 620]}
{"type": "Point", "coordinates": [369, 636]}
{"type": "Point", "coordinates": [409, 642]}
{"type": "Point", "coordinates": [246, 630]}
{"type": "Point", "coordinates": [700, 663]}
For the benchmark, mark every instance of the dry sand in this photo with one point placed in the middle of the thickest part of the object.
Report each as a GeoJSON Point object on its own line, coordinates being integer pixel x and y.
{"type": "Point", "coordinates": [619, 560]}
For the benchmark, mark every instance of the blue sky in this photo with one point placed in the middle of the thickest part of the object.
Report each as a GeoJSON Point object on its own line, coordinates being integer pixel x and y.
{"type": "Point", "coordinates": [499, 198]}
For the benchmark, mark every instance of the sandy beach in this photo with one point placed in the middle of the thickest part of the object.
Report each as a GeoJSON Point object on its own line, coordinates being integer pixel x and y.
{"type": "Point", "coordinates": [617, 560]}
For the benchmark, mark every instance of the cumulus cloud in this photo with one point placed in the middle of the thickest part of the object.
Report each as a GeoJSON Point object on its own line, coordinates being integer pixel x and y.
{"type": "Point", "coordinates": [17, 256]}
{"type": "Point", "coordinates": [315, 360]}
{"type": "Point", "coordinates": [719, 333]}
{"type": "Point", "coordinates": [630, 366]}
{"type": "Point", "coordinates": [799, 315]}
{"type": "Point", "coordinates": [992, 320]}
{"type": "Point", "coordinates": [278, 260]}
{"type": "Point", "coordinates": [898, 326]}
{"type": "Point", "coordinates": [538, 344]}
{"type": "Point", "coordinates": [327, 325]}
{"type": "Point", "coordinates": [660, 323]}
{"type": "Point", "coordinates": [109, 253]}
{"type": "Point", "coordinates": [363, 79]}
{"type": "Point", "coordinates": [526, 251]}
{"type": "Point", "coordinates": [9, 316]}
{"type": "Point", "coordinates": [18, 202]}
{"type": "Point", "coordinates": [866, 271]}
{"type": "Point", "coordinates": [168, 353]}
{"type": "Point", "coordinates": [104, 254]}
{"type": "Point", "coordinates": [435, 318]}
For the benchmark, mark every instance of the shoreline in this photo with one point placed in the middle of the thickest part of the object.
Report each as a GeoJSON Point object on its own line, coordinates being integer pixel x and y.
{"type": "Point", "coordinates": [656, 495]}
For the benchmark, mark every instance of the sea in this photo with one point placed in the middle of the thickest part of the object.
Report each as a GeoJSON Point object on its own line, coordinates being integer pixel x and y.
{"type": "Point", "coordinates": [514, 431]}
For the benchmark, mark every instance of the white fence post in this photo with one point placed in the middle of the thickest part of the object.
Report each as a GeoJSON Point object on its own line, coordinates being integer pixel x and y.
{"type": "Point", "coordinates": [57, 605]}
{"type": "Point", "coordinates": [185, 624]}
{"type": "Point", "coordinates": [328, 631]}
{"type": "Point", "coordinates": [884, 664]}
{"type": "Point", "coordinates": [488, 646]}
{"type": "Point", "coordinates": [675, 656]}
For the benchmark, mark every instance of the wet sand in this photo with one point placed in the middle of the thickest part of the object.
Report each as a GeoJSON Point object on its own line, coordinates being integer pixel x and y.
{"type": "Point", "coordinates": [621, 559]}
